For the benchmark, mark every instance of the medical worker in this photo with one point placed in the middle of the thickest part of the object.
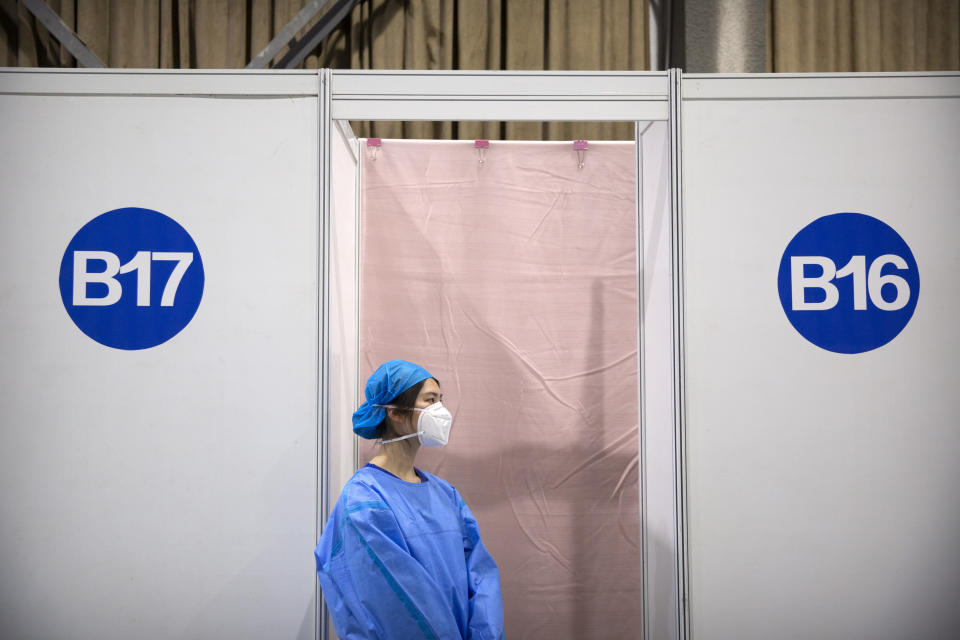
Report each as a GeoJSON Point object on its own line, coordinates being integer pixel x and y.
{"type": "Point", "coordinates": [401, 556]}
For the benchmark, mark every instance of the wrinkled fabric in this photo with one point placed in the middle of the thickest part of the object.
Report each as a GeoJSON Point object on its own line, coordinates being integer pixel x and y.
{"type": "Point", "coordinates": [516, 280]}
{"type": "Point", "coordinates": [386, 383]}
{"type": "Point", "coordinates": [400, 560]}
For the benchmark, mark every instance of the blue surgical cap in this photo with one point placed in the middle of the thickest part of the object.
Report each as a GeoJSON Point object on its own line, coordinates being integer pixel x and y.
{"type": "Point", "coordinates": [386, 383]}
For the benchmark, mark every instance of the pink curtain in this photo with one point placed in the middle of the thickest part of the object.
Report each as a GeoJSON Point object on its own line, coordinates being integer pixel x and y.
{"type": "Point", "coordinates": [514, 281]}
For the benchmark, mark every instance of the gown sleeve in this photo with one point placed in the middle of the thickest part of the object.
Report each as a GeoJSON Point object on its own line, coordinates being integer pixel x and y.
{"type": "Point", "coordinates": [485, 608]}
{"type": "Point", "coordinates": [373, 586]}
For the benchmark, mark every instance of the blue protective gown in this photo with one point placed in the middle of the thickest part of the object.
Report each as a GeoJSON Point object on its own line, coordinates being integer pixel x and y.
{"type": "Point", "coordinates": [401, 560]}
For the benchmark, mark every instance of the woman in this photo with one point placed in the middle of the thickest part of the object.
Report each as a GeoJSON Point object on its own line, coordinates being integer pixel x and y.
{"type": "Point", "coordinates": [401, 555]}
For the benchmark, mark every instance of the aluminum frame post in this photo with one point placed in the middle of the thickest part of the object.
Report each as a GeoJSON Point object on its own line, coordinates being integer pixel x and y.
{"type": "Point", "coordinates": [680, 442]}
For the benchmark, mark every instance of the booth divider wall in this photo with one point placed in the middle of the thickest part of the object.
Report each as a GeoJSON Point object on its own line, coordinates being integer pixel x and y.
{"type": "Point", "coordinates": [821, 419]}
{"type": "Point", "coordinates": [169, 490]}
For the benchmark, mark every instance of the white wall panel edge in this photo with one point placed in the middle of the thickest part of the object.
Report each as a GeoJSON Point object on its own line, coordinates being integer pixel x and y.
{"type": "Point", "coordinates": [343, 354]}
{"type": "Point", "coordinates": [820, 86]}
{"type": "Point", "coordinates": [487, 83]}
{"type": "Point", "coordinates": [641, 378]}
{"type": "Point", "coordinates": [657, 432]}
{"type": "Point", "coordinates": [157, 82]}
{"type": "Point", "coordinates": [676, 210]}
{"type": "Point", "coordinates": [452, 108]}
{"type": "Point", "coordinates": [357, 272]}
{"type": "Point", "coordinates": [499, 95]}
{"type": "Point", "coordinates": [323, 356]}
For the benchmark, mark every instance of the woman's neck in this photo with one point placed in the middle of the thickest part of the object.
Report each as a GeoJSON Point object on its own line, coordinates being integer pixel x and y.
{"type": "Point", "coordinates": [398, 458]}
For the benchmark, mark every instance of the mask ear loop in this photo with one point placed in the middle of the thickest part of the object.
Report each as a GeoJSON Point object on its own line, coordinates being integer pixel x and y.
{"type": "Point", "coordinates": [409, 435]}
{"type": "Point", "coordinates": [412, 435]}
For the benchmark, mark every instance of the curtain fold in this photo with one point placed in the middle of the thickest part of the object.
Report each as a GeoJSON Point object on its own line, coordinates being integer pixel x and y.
{"type": "Point", "coordinates": [864, 35]}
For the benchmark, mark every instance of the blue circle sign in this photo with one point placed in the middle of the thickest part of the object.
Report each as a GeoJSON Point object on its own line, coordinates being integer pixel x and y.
{"type": "Point", "coordinates": [131, 278]}
{"type": "Point", "coordinates": [848, 283]}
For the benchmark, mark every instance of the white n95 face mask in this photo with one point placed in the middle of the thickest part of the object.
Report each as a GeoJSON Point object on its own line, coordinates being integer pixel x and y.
{"type": "Point", "coordinates": [433, 426]}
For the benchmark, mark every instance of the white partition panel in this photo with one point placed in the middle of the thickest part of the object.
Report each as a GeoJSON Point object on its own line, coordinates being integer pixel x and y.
{"type": "Point", "coordinates": [499, 95]}
{"type": "Point", "coordinates": [166, 492]}
{"type": "Point", "coordinates": [344, 307]}
{"type": "Point", "coordinates": [820, 486]}
{"type": "Point", "coordinates": [661, 600]}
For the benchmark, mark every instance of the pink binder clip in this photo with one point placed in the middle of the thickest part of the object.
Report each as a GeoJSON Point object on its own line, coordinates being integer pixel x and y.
{"type": "Point", "coordinates": [580, 146]}
{"type": "Point", "coordinates": [373, 146]}
{"type": "Point", "coordinates": [481, 146]}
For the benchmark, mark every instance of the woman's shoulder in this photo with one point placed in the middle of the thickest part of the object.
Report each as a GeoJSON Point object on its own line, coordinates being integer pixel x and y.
{"type": "Point", "coordinates": [361, 487]}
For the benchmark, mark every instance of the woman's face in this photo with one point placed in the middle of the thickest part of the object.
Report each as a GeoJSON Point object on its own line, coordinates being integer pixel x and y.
{"type": "Point", "coordinates": [429, 394]}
